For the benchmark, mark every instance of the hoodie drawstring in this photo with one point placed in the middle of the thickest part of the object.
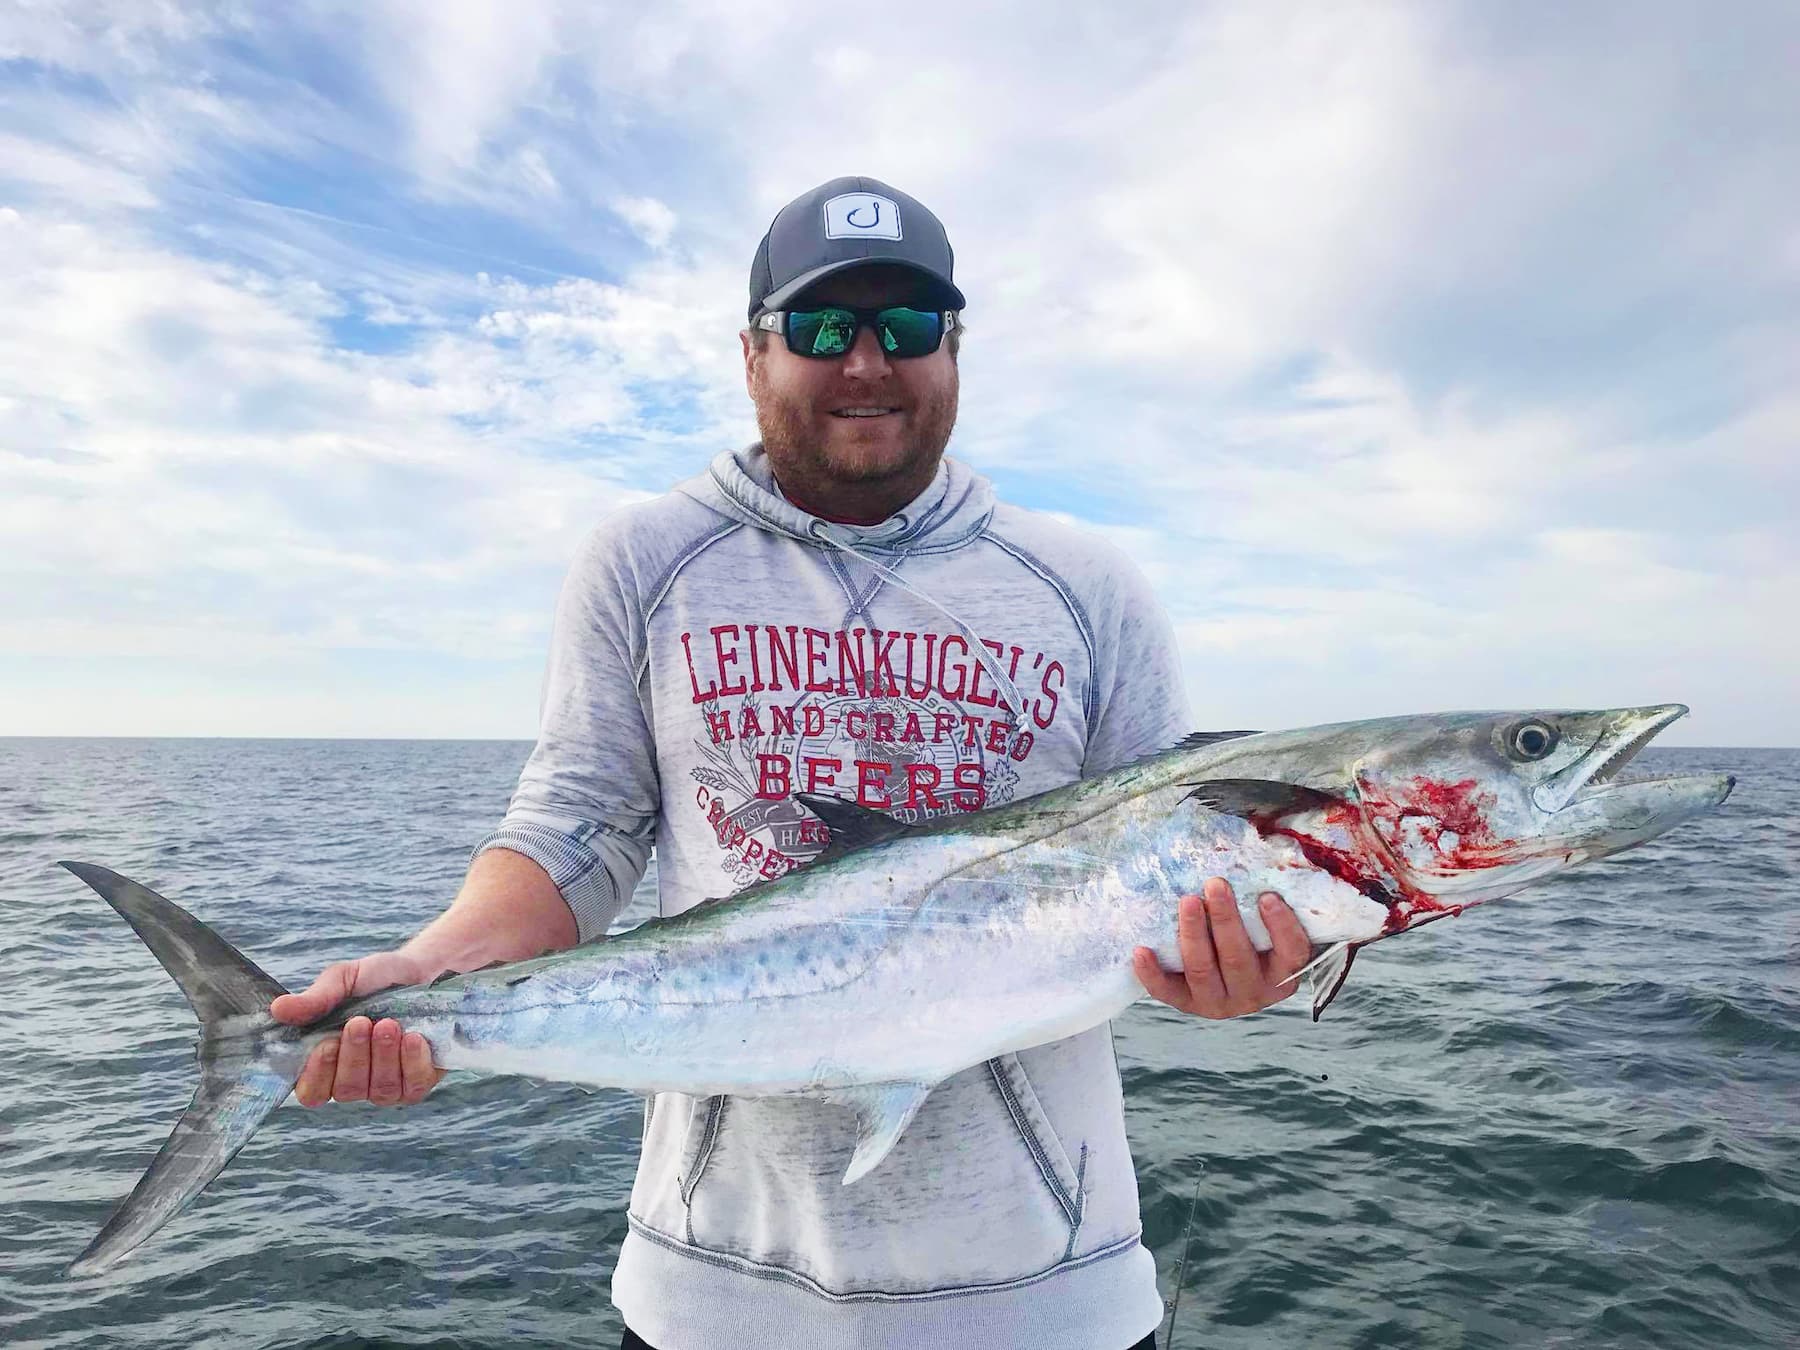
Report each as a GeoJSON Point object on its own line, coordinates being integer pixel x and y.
{"type": "Point", "coordinates": [823, 530]}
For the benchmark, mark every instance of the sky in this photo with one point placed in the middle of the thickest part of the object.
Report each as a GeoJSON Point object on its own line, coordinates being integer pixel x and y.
{"type": "Point", "coordinates": [1424, 356]}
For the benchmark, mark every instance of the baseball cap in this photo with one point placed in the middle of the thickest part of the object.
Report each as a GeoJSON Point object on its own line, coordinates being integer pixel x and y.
{"type": "Point", "coordinates": [843, 224]}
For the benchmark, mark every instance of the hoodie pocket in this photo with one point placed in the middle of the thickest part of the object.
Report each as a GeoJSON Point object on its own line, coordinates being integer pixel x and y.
{"type": "Point", "coordinates": [705, 1114]}
{"type": "Point", "coordinates": [1064, 1178]}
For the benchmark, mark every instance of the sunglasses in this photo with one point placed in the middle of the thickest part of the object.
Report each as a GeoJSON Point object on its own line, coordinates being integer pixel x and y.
{"type": "Point", "coordinates": [831, 331]}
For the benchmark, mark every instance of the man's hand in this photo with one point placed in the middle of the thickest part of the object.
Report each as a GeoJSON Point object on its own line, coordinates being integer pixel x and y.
{"type": "Point", "coordinates": [1222, 975]}
{"type": "Point", "coordinates": [376, 1062]}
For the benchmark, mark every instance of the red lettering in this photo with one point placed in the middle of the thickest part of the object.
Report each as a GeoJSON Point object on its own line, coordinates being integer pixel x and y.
{"type": "Point", "coordinates": [781, 721]}
{"type": "Point", "coordinates": [849, 664]}
{"type": "Point", "coordinates": [714, 816]}
{"type": "Point", "coordinates": [1038, 715]}
{"type": "Point", "coordinates": [778, 657]}
{"type": "Point", "coordinates": [913, 734]}
{"type": "Point", "coordinates": [856, 723]}
{"type": "Point", "coordinates": [925, 688]}
{"type": "Point", "coordinates": [884, 726]}
{"type": "Point", "coordinates": [693, 679]}
{"type": "Point", "coordinates": [774, 864]}
{"type": "Point", "coordinates": [996, 737]}
{"type": "Point", "coordinates": [756, 679]}
{"type": "Point", "coordinates": [821, 773]}
{"type": "Point", "coordinates": [920, 780]}
{"type": "Point", "coordinates": [943, 668]}
{"type": "Point", "coordinates": [977, 669]}
{"type": "Point", "coordinates": [972, 794]}
{"type": "Point", "coordinates": [718, 726]}
{"type": "Point", "coordinates": [753, 850]}
{"type": "Point", "coordinates": [817, 647]}
{"type": "Point", "coordinates": [872, 774]}
{"type": "Point", "coordinates": [750, 724]}
{"type": "Point", "coordinates": [812, 723]}
{"type": "Point", "coordinates": [772, 777]}
{"type": "Point", "coordinates": [1022, 746]}
{"type": "Point", "coordinates": [727, 659]}
{"type": "Point", "coordinates": [971, 730]}
{"type": "Point", "coordinates": [942, 724]}
{"type": "Point", "coordinates": [881, 662]}
{"type": "Point", "coordinates": [701, 797]}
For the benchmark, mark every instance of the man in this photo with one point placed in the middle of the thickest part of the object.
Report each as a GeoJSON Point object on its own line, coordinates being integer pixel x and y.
{"type": "Point", "coordinates": [837, 609]}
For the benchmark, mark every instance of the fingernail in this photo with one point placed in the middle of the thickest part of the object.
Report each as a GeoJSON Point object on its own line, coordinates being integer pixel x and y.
{"type": "Point", "coordinates": [1267, 901]}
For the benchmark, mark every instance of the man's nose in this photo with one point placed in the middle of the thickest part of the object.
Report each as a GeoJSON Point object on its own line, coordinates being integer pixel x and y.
{"type": "Point", "coordinates": [865, 360]}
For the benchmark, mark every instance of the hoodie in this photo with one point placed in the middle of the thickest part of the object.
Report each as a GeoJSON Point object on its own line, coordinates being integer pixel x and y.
{"type": "Point", "coordinates": [717, 650]}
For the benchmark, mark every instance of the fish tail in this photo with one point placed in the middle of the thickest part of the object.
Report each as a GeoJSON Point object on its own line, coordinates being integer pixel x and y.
{"type": "Point", "coordinates": [248, 1062]}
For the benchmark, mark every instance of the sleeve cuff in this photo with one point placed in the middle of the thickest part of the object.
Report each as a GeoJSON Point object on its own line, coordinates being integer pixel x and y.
{"type": "Point", "coordinates": [587, 887]}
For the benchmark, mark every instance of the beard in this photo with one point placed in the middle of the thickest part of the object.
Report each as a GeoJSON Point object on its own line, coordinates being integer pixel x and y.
{"type": "Point", "coordinates": [802, 457]}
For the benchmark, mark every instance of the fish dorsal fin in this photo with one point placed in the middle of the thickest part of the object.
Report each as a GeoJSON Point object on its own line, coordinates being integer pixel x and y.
{"type": "Point", "coordinates": [1194, 740]}
{"type": "Point", "coordinates": [1197, 740]}
{"type": "Point", "coordinates": [883, 1111]}
{"type": "Point", "coordinates": [1258, 799]}
{"type": "Point", "coordinates": [852, 826]}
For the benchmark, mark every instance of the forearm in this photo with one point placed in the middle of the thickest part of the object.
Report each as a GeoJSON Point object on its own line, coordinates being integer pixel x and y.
{"type": "Point", "coordinates": [507, 910]}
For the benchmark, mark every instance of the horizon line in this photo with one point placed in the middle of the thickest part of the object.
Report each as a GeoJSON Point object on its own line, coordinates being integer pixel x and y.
{"type": "Point", "coordinates": [530, 740]}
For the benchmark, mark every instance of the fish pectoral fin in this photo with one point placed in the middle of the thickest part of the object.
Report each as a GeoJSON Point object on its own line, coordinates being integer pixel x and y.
{"type": "Point", "coordinates": [883, 1111]}
{"type": "Point", "coordinates": [851, 826]}
{"type": "Point", "coordinates": [1259, 799]}
{"type": "Point", "coordinates": [1325, 974]}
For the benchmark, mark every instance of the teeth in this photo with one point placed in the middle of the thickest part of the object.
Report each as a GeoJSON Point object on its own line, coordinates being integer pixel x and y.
{"type": "Point", "coordinates": [863, 412]}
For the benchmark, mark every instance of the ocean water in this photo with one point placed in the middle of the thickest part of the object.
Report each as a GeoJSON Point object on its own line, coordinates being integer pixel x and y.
{"type": "Point", "coordinates": [1568, 1119]}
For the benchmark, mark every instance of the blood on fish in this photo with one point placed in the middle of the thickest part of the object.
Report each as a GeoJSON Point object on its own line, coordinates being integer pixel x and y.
{"type": "Point", "coordinates": [1440, 808]}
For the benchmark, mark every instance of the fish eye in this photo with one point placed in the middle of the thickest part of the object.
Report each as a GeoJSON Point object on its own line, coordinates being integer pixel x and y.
{"type": "Point", "coordinates": [1530, 740]}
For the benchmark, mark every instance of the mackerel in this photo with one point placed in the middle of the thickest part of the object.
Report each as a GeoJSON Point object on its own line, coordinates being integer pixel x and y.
{"type": "Point", "coordinates": [906, 953]}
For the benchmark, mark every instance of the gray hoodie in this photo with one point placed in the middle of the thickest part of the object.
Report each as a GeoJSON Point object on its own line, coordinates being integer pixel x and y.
{"type": "Point", "coordinates": [717, 650]}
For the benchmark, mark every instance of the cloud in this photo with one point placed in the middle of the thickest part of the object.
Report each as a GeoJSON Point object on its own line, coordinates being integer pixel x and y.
{"type": "Point", "coordinates": [1419, 357]}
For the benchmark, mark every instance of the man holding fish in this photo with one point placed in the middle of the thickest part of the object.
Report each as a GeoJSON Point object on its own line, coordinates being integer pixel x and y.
{"type": "Point", "coordinates": [838, 611]}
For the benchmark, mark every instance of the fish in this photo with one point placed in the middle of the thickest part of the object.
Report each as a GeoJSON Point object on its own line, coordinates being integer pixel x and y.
{"type": "Point", "coordinates": [908, 952]}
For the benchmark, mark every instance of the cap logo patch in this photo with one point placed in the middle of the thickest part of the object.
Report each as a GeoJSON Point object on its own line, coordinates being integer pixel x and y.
{"type": "Point", "coordinates": [861, 215]}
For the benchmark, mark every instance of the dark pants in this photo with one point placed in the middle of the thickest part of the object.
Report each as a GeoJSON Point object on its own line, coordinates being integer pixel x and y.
{"type": "Point", "coordinates": [632, 1341]}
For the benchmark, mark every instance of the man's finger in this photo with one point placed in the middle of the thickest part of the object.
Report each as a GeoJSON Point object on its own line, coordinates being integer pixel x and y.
{"type": "Point", "coordinates": [352, 1082]}
{"type": "Point", "coordinates": [331, 988]}
{"type": "Point", "coordinates": [313, 1088]}
{"type": "Point", "coordinates": [1292, 948]}
{"type": "Point", "coordinates": [1199, 962]}
{"type": "Point", "coordinates": [1238, 966]}
{"type": "Point", "coordinates": [384, 1063]}
{"type": "Point", "coordinates": [418, 1074]}
{"type": "Point", "coordinates": [1159, 983]}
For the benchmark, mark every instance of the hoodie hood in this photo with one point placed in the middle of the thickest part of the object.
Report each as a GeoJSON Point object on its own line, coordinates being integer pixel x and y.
{"type": "Point", "coordinates": [952, 511]}
{"type": "Point", "coordinates": [954, 508]}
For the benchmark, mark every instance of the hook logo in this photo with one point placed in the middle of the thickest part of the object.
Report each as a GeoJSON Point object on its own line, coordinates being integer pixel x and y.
{"type": "Point", "coordinates": [861, 215]}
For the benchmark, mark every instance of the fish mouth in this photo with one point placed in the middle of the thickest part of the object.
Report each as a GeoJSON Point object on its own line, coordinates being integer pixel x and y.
{"type": "Point", "coordinates": [1597, 813]}
{"type": "Point", "coordinates": [1636, 728]}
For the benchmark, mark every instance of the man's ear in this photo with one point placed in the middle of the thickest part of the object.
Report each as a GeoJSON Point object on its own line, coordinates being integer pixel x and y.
{"type": "Point", "coordinates": [749, 360]}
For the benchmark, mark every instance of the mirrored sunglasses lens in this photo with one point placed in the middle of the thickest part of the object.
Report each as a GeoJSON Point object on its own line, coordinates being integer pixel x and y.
{"type": "Point", "coordinates": [821, 332]}
{"type": "Point", "coordinates": [910, 332]}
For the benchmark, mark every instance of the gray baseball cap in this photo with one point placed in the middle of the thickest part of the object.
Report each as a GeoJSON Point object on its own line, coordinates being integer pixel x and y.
{"type": "Point", "coordinates": [843, 224]}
